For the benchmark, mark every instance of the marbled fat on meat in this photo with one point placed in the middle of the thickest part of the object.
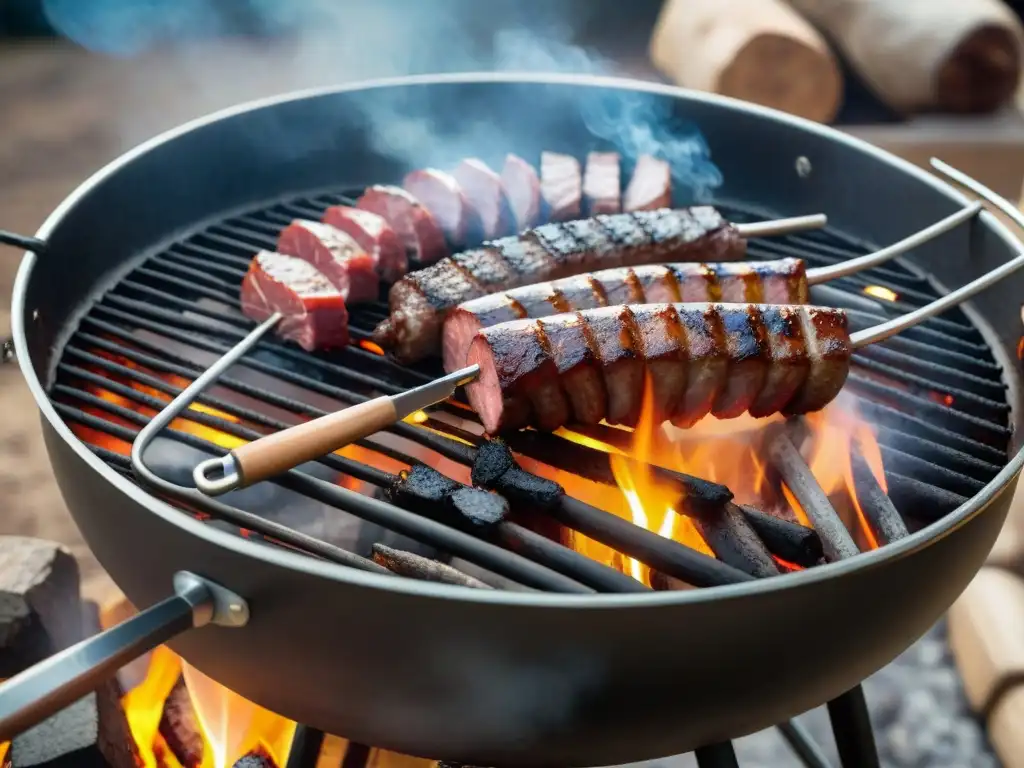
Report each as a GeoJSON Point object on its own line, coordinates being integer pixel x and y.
{"type": "Point", "coordinates": [338, 256]}
{"type": "Point", "coordinates": [314, 313]}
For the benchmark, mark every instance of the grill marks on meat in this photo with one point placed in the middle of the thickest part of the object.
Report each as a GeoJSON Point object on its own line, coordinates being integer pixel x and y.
{"type": "Point", "coordinates": [314, 314]}
{"type": "Point", "coordinates": [650, 187]}
{"type": "Point", "coordinates": [440, 193]}
{"type": "Point", "coordinates": [335, 254]}
{"type": "Point", "coordinates": [602, 183]}
{"type": "Point", "coordinates": [552, 251]}
{"type": "Point", "coordinates": [412, 222]}
{"type": "Point", "coordinates": [783, 281]}
{"type": "Point", "coordinates": [374, 235]}
{"type": "Point", "coordinates": [561, 186]}
{"type": "Point", "coordinates": [522, 187]}
{"type": "Point", "coordinates": [728, 359]}
{"type": "Point", "coordinates": [486, 195]}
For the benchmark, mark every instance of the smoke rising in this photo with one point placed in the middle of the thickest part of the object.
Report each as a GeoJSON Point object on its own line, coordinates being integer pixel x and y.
{"type": "Point", "coordinates": [326, 42]}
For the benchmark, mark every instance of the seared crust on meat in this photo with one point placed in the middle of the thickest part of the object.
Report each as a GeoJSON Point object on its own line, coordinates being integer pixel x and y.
{"type": "Point", "coordinates": [784, 279]}
{"type": "Point", "coordinates": [829, 350]}
{"type": "Point", "coordinates": [590, 365]}
{"type": "Point", "coordinates": [555, 251]}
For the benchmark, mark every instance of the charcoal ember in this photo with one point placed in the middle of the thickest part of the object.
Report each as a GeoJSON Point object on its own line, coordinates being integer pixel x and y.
{"type": "Point", "coordinates": [91, 733]}
{"type": "Point", "coordinates": [493, 459]}
{"type": "Point", "coordinates": [434, 495]}
{"type": "Point", "coordinates": [496, 470]}
{"type": "Point", "coordinates": [416, 567]}
{"type": "Point", "coordinates": [790, 541]}
{"type": "Point", "coordinates": [40, 603]}
{"type": "Point", "coordinates": [524, 488]}
{"type": "Point", "coordinates": [478, 507]}
{"type": "Point", "coordinates": [255, 759]}
{"type": "Point", "coordinates": [422, 486]}
{"type": "Point", "coordinates": [179, 727]}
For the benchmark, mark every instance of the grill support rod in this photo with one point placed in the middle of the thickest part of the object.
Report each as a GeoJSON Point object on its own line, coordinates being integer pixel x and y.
{"type": "Point", "coordinates": [883, 331]}
{"type": "Point", "coordinates": [852, 266]}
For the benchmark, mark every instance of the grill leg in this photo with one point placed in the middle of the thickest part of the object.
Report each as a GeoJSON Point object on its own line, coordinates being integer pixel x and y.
{"type": "Point", "coordinates": [851, 726]}
{"type": "Point", "coordinates": [305, 749]}
{"type": "Point", "coordinates": [356, 756]}
{"type": "Point", "coordinates": [717, 756]}
{"type": "Point", "coordinates": [803, 746]}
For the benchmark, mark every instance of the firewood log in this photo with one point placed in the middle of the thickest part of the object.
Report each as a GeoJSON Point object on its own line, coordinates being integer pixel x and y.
{"type": "Point", "coordinates": [920, 55]}
{"type": "Point", "coordinates": [758, 50]}
{"type": "Point", "coordinates": [180, 727]}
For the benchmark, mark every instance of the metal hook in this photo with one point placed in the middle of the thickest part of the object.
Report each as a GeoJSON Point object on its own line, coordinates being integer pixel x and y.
{"type": "Point", "coordinates": [225, 466]}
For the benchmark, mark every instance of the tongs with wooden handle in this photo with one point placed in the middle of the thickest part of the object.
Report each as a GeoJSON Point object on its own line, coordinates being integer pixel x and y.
{"type": "Point", "coordinates": [284, 450]}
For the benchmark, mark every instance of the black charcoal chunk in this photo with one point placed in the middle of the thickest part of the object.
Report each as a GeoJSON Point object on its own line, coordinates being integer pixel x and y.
{"type": "Point", "coordinates": [493, 459]}
{"type": "Point", "coordinates": [422, 488]}
{"type": "Point", "coordinates": [526, 489]}
{"type": "Point", "coordinates": [477, 508]}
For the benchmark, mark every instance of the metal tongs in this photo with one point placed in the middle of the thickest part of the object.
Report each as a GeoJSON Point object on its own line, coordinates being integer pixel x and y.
{"type": "Point", "coordinates": [281, 451]}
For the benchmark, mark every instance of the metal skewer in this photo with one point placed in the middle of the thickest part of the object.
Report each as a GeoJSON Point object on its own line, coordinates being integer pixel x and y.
{"type": "Point", "coordinates": [280, 451]}
{"type": "Point", "coordinates": [782, 226]}
{"type": "Point", "coordinates": [980, 190]}
{"type": "Point", "coordinates": [950, 300]}
{"type": "Point", "coordinates": [851, 266]}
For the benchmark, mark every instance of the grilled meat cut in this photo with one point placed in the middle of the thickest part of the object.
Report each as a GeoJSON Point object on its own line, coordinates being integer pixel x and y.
{"type": "Point", "coordinates": [602, 183]}
{"type": "Point", "coordinates": [374, 235]}
{"type": "Point", "coordinates": [314, 313]}
{"type": "Point", "coordinates": [335, 254]}
{"type": "Point", "coordinates": [651, 185]}
{"type": "Point", "coordinates": [440, 193]}
{"type": "Point", "coordinates": [420, 301]}
{"type": "Point", "coordinates": [486, 196]}
{"type": "Point", "coordinates": [725, 359]}
{"type": "Point", "coordinates": [419, 233]}
{"type": "Point", "coordinates": [561, 186]}
{"type": "Point", "coordinates": [522, 187]}
{"type": "Point", "coordinates": [783, 281]}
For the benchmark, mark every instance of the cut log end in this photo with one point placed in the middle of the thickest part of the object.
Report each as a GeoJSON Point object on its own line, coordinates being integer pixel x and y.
{"type": "Point", "coordinates": [784, 73]}
{"type": "Point", "coordinates": [981, 73]}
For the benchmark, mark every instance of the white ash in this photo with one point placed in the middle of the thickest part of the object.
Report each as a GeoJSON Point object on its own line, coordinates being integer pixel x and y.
{"type": "Point", "coordinates": [918, 710]}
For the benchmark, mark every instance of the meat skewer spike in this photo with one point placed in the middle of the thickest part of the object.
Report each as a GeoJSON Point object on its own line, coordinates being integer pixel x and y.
{"type": "Point", "coordinates": [777, 227]}
{"type": "Point", "coordinates": [885, 330]}
{"type": "Point", "coordinates": [851, 266]}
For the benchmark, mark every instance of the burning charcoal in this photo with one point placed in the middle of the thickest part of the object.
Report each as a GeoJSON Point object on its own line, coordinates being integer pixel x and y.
{"type": "Point", "coordinates": [255, 759]}
{"type": "Point", "coordinates": [788, 541]}
{"type": "Point", "coordinates": [433, 495]}
{"type": "Point", "coordinates": [881, 516]}
{"type": "Point", "coordinates": [180, 728]}
{"type": "Point", "coordinates": [493, 459]}
{"type": "Point", "coordinates": [920, 500]}
{"type": "Point", "coordinates": [478, 507]}
{"type": "Point", "coordinates": [496, 470]}
{"type": "Point", "coordinates": [416, 567]}
{"type": "Point", "coordinates": [91, 732]}
{"type": "Point", "coordinates": [40, 609]}
{"type": "Point", "coordinates": [734, 541]}
{"type": "Point", "coordinates": [422, 486]}
{"type": "Point", "coordinates": [526, 489]}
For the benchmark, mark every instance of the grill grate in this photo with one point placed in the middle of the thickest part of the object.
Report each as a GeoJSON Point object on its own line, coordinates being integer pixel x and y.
{"type": "Point", "coordinates": [937, 390]}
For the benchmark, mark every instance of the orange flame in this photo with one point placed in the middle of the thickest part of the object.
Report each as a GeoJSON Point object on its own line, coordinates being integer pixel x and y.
{"type": "Point", "coordinates": [881, 292]}
{"type": "Point", "coordinates": [144, 706]}
{"type": "Point", "coordinates": [369, 346]}
{"type": "Point", "coordinates": [233, 725]}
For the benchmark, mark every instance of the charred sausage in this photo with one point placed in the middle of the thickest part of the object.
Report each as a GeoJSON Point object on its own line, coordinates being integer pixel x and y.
{"type": "Point", "coordinates": [724, 359]}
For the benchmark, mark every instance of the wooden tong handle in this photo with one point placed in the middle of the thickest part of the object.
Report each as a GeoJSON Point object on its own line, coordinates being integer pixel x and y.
{"type": "Point", "coordinates": [281, 451]}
